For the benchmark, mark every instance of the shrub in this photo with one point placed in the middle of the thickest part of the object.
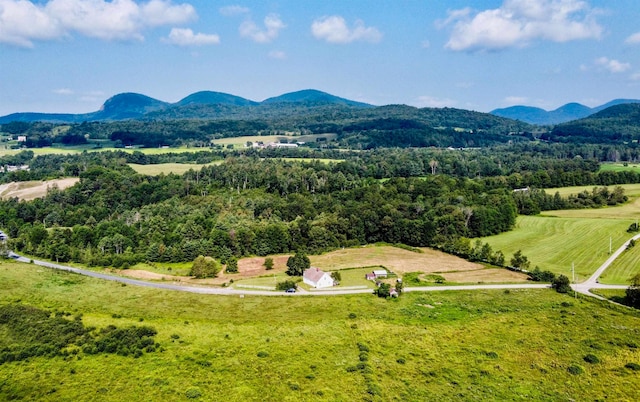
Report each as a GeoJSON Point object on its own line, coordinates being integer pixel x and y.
{"type": "Point", "coordinates": [590, 358]}
{"type": "Point", "coordinates": [575, 369]}
{"type": "Point", "coordinates": [561, 284]}
{"type": "Point", "coordinates": [268, 263]}
{"type": "Point", "coordinates": [263, 354]}
{"type": "Point", "coordinates": [193, 393]}
{"type": "Point", "coordinates": [633, 366]}
{"type": "Point", "coordinates": [288, 284]}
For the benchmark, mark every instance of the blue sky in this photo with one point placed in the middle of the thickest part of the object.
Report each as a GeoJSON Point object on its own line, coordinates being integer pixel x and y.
{"type": "Point", "coordinates": [71, 55]}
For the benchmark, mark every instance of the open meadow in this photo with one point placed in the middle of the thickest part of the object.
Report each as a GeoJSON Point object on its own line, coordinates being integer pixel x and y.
{"type": "Point", "coordinates": [472, 345]}
{"type": "Point", "coordinates": [166, 168]}
{"type": "Point", "coordinates": [554, 243]}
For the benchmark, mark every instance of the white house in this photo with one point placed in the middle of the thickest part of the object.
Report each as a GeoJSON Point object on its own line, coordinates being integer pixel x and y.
{"type": "Point", "coordinates": [317, 278]}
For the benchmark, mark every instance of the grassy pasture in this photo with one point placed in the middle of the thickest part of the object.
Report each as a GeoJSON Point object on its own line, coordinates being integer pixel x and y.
{"type": "Point", "coordinates": [476, 345]}
{"type": "Point", "coordinates": [631, 190]}
{"type": "Point", "coordinates": [166, 168]}
{"type": "Point", "coordinates": [553, 243]}
{"type": "Point", "coordinates": [623, 268]}
{"type": "Point", "coordinates": [619, 167]}
{"type": "Point", "coordinates": [242, 141]}
{"type": "Point", "coordinates": [62, 150]}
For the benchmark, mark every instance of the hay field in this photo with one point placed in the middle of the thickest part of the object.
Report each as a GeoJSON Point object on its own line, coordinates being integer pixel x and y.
{"type": "Point", "coordinates": [30, 190]}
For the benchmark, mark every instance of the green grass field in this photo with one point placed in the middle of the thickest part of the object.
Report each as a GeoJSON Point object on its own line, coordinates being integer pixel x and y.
{"type": "Point", "coordinates": [166, 168]}
{"type": "Point", "coordinates": [630, 190]}
{"type": "Point", "coordinates": [618, 167]}
{"type": "Point", "coordinates": [554, 243]}
{"type": "Point", "coordinates": [476, 345]}
{"type": "Point", "coordinates": [623, 268]}
{"type": "Point", "coordinates": [91, 148]}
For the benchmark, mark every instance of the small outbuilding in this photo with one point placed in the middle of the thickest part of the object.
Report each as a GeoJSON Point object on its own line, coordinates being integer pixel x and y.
{"type": "Point", "coordinates": [380, 273]}
{"type": "Point", "coordinates": [316, 278]}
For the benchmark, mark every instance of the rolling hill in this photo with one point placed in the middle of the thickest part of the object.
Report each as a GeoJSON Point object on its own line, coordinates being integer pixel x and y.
{"type": "Point", "coordinates": [615, 124]}
{"type": "Point", "coordinates": [565, 113]}
{"type": "Point", "coordinates": [199, 105]}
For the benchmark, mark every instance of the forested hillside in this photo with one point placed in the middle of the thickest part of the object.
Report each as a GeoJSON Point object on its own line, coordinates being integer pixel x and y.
{"type": "Point", "coordinates": [255, 203]}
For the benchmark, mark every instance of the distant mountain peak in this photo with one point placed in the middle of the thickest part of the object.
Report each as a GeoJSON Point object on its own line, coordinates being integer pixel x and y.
{"type": "Point", "coordinates": [568, 112]}
{"type": "Point", "coordinates": [214, 98]}
{"type": "Point", "coordinates": [313, 96]}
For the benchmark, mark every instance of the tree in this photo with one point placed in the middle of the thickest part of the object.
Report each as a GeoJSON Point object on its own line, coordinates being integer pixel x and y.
{"type": "Point", "coordinates": [268, 263]}
{"type": "Point", "coordinates": [633, 292]}
{"type": "Point", "coordinates": [232, 265]}
{"type": "Point", "coordinates": [399, 286]}
{"type": "Point", "coordinates": [384, 290]}
{"type": "Point", "coordinates": [286, 285]}
{"type": "Point", "coordinates": [204, 267]}
{"type": "Point", "coordinates": [561, 284]}
{"type": "Point", "coordinates": [336, 276]}
{"type": "Point", "coordinates": [297, 264]}
{"type": "Point", "coordinates": [520, 261]}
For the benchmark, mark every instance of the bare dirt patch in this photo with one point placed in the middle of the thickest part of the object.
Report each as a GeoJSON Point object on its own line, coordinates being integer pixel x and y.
{"type": "Point", "coordinates": [30, 190]}
{"type": "Point", "coordinates": [492, 275]}
{"type": "Point", "coordinates": [396, 259]}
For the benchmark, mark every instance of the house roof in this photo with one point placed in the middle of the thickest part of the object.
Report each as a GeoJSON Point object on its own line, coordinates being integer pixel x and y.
{"type": "Point", "coordinates": [380, 272]}
{"type": "Point", "coordinates": [313, 274]}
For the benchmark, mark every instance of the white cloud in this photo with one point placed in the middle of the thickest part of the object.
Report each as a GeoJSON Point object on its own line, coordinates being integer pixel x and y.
{"type": "Point", "coordinates": [430, 101]}
{"type": "Point", "coordinates": [63, 91]}
{"type": "Point", "coordinates": [611, 65]}
{"type": "Point", "coordinates": [516, 100]}
{"type": "Point", "coordinates": [633, 39]}
{"type": "Point", "coordinates": [277, 54]}
{"type": "Point", "coordinates": [517, 23]}
{"type": "Point", "coordinates": [272, 26]}
{"type": "Point", "coordinates": [233, 10]}
{"type": "Point", "coordinates": [186, 37]}
{"type": "Point", "coordinates": [23, 21]}
{"type": "Point", "coordinates": [334, 29]}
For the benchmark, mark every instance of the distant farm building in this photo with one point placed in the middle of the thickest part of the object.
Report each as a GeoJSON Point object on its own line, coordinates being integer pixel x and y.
{"type": "Point", "coordinates": [376, 274]}
{"type": "Point", "coordinates": [316, 278]}
{"type": "Point", "coordinates": [22, 138]}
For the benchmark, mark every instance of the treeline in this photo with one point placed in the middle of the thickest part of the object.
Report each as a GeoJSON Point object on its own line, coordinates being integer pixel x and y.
{"type": "Point", "coordinates": [533, 201]}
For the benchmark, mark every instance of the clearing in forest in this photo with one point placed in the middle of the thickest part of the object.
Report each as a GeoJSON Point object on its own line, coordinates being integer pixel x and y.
{"type": "Point", "coordinates": [30, 190]}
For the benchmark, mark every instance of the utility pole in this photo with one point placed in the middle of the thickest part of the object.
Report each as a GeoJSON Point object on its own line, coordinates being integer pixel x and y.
{"type": "Point", "coordinates": [573, 274]}
{"type": "Point", "coordinates": [610, 245]}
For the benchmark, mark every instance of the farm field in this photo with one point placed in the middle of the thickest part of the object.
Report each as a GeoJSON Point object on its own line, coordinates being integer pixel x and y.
{"type": "Point", "coordinates": [619, 167]}
{"type": "Point", "coordinates": [476, 345]}
{"type": "Point", "coordinates": [242, 141]}
{"type": "Point", "coordinates": [623, 268]}
{"type": "Point", "coordinates": [554, 243]}
{"type": "Point", "coordinates": [29, 190]}
{"type": "Point", "coordinates": [166, 168]}
{"type": "Point", "coordinates": [91, 148]}
{"type": "Point", "coordinates": [630, 190]}
{"type": "Point", "coordinates": [252, 272]}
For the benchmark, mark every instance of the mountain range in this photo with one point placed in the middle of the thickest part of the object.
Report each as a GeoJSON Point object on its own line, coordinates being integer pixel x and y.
{"type": "Point", "coordinates": [218, 105]}
{"type": "Point", "coordinates": [204, 104]}
{"type": "Point", "coordinates": [565, 113]}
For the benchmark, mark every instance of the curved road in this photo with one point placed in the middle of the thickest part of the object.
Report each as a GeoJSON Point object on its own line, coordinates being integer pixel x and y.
{"type": "Point", "coordinates": [591, 283]}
